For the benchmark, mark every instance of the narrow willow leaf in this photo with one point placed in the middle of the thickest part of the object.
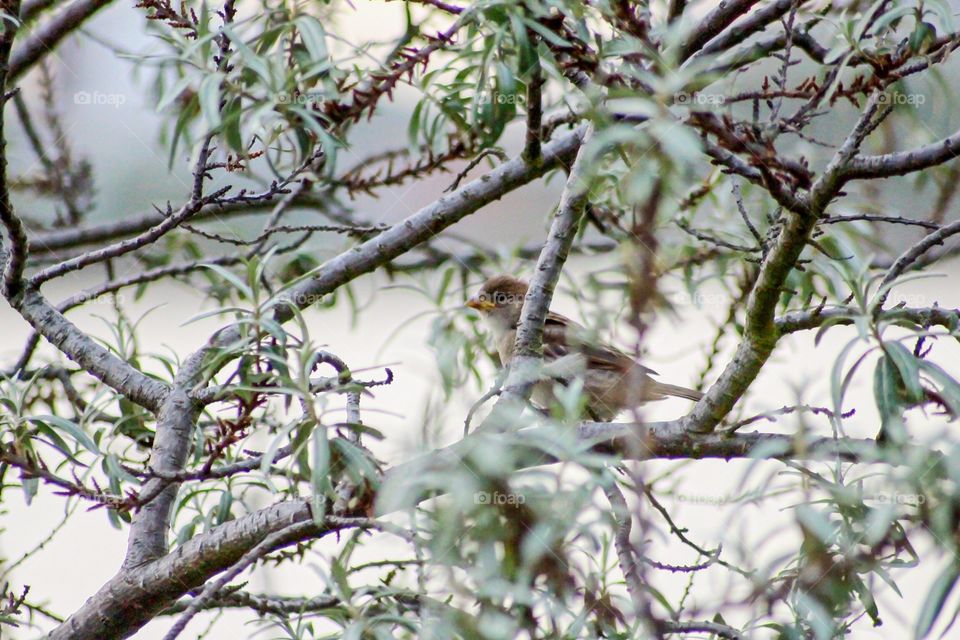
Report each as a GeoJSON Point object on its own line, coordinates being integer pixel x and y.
{"type": "Point", "coordinates": [319, 472]}
{"type": "Point", "coordinates": [936, 598]}
{"type": "Point", "coordinates": [887, 399]}
{"type": "Point", "coordinates": [314, 37]}
{"type": "Point", "coordinates": [72, 429]}
{"type": "Point", "coordinates": [909, 368]}
{"type": "Point", "coordinates": [949, 387]}
{"type": "Point", "coordinates": [209, 95]}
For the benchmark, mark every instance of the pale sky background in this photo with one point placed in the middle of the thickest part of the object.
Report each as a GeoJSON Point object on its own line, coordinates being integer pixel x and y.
{"type": "Point", "coordinates": [131, 173]}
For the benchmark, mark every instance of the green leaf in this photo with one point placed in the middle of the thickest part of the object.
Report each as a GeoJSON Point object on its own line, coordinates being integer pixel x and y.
{"type": "Point", "coordinates": [320, 471]}
{"type": "Point", "coordinates": [72, 429]}
{"type": "Point", "coordinates": [908, 367]}
{"type": "Point", "coordinates": [113, 468]}
{"type": "Point", "coordinates": [890, 17]}
{"type": "Point", "coordinates": [817, 522]}
{"type": "Point", "coordinates": [255, 63]}
{"type": "Point", "coordinates": [313, 35]}
{"type": "Point", "coordinates": [943, 11]}
{"type": "Point", "coordinates": [888, 579]}
{"type": "Point", "coordinates": [866, 599]}
{"type": "Point", "coordinates": [30, 488]}
{"type": "Point", "coordinates": [356, 462]}
{"type": "Point", "coordinates": [949, 387]}
{"type": "Point", "coordinates": [924, 34]}
{"type": "Point", "coordinates": [837, 387]}
{"type": "Point", "coordinates": [223, 508]}
{"type": "Point", "coordinates": [209, 96]}
{"type": "Point", "coordinates": [232, 114]}
{"type": "Point", "coordinates": [271, 451]}
{"type": "Point", "coordinates": [887, 398]}
{"type": "Point", "coordinates": [936, 598]}
{"type": "Point", "coordinates": [546, 34]}
{"type": "Point", "coordinates": [339, 575]}
{"type": "Point", "coordinates": [233, 279]}
{"type": "Point", "coordinates": [173, 92]}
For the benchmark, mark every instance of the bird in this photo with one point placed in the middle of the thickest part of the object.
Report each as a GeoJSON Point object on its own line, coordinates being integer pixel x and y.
{"type": "Point", "coordinates": [612, 380]}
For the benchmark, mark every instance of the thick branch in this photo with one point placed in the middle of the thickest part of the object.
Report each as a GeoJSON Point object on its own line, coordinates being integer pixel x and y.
{"type": "Point", "coordinates": [135, 596]}
{"type": "Point", "coordinates": [90, 355]}
{"type": "Point", "coordinates": [47, 36]}
{"type": "Point", "coordinates": [14, 257]}
{"type": "Point", "coordinates": [754, 23]}
{"type": "Point", "coordinates": [712, 24]}
{"type": "Point", "coordinates": [428, 222]}
{"type": "Point", "coordinates": [552, 257]}
{"type": "Point", "coordinates": [925, 317]}
{"type": "Point", "coordinates": [904, 162]}
{"type": "Point", "coordinates": [760, 331]}
{"type": "Point", "coordinates": [175, 424]}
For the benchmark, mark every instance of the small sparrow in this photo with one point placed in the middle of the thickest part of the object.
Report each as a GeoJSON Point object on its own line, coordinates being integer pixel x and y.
{"type": "Point", "coordinates": [612, 380]}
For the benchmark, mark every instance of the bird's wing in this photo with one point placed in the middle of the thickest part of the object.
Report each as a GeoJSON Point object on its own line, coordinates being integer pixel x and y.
{"type": "Point", "coordinates": [556, 331]}
{"type": "Point", "coordinates": [563, 337]}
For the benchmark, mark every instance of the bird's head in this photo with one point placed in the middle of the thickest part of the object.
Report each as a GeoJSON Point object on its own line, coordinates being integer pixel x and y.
{"type": "Point", "coordinates": [500, 300]}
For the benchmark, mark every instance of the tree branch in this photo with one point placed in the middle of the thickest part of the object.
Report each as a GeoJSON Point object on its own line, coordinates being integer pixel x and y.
{"type": "Point", "coordinates": [47, 36]}
{"type": "Point", "coordinates": [904, 162]}
{"type": "Point", "coordinates": [50, 241]}
{"type": "Point", "coordinates": [908, 257]}
{"type": "Point", "coordinates": [136, 595]}
{"type": "Point", "coordinates": [90, 355]}
{"type": "Point", "coordinates": [754, 23]}
{"type": "Point", "coordinates": [712, 24]}
{"type": "Point", "coordinates": [814, 318]}
{"type": "Point", "coordinates": [527, 351]}
{"type": "Point", "coordinates": [760, 331]}
{"type": "Point", "coordinates": [14, 258]}
{"type": "Point", "coordinates": [426, 223]}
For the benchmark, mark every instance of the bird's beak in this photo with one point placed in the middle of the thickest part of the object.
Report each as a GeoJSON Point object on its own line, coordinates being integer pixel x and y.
{"type": "Point", "coordinates": [480, 305]}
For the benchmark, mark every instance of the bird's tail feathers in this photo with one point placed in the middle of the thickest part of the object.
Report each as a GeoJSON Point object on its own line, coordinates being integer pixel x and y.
{"type": "Point", "coordinates": [675, 390]}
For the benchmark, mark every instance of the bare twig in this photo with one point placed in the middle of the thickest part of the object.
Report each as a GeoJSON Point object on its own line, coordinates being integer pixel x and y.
{"type": "Point", "coordinates": [870, 217]}
{"type": "Point", "coordinates": [712, 24]}
{"type": "Point", "coordinates": [625, 553]}
{"type": "Point", "coordinates": [908, 257]}
{"type": "Point", "coordinates": [14, 257]}
{"type": "Point", "coordinates": [45, 38]}
{"type": "Point", "coordinates": [531, 149]}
